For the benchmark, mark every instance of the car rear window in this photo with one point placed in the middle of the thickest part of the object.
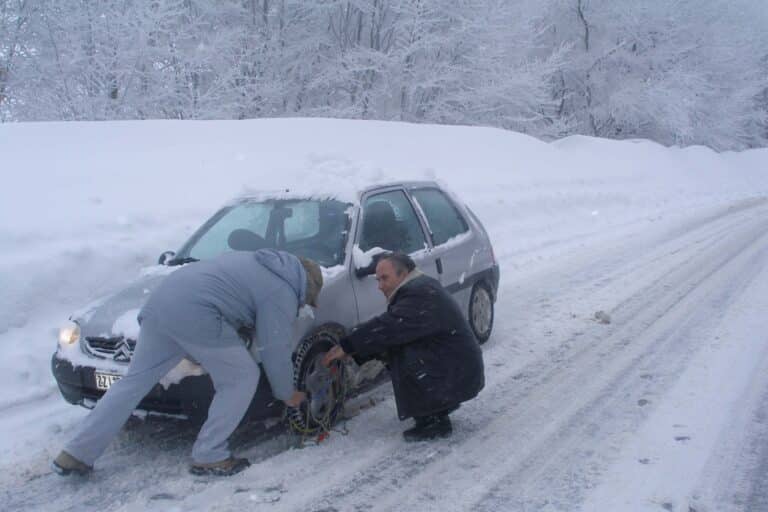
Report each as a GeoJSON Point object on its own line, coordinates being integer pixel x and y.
{"type": "Point", "coordinates": [445, 221]}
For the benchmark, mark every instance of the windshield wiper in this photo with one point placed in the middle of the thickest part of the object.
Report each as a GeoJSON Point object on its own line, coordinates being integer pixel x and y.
{"type": "Point", "coordinates": [181, 261]}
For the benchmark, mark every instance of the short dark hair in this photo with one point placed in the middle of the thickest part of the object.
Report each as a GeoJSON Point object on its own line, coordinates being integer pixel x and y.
{"type": "Point", "coordinates": [400, 261]}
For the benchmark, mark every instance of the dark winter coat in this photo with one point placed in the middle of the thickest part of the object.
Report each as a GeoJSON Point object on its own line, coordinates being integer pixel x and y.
{"type": "Point", "coordinates": [433, 358]}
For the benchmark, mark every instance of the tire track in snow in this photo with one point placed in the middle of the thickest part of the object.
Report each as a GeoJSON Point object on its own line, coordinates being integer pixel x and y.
{"type": "Point", "coordinates": [566, 466]}
{"type": "Point", "coordinates": [378, 479]}
{"type": "Point", "coordinates": [560, 395]}
{"type": "Point", "coordinates": [381, 486]}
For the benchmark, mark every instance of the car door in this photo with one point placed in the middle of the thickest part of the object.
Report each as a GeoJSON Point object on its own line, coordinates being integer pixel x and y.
{"type": "Point", "coordinates": [453, 241]}
{"type": "Point", "coordinates": [388, 221]}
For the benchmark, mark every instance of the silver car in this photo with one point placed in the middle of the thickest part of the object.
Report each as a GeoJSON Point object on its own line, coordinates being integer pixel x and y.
{"type": "Point", "coordinates": [441, 234]}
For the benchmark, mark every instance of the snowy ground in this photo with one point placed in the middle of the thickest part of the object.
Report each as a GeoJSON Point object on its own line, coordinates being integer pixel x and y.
{"type": "Point", "coordinates": [663, 408]}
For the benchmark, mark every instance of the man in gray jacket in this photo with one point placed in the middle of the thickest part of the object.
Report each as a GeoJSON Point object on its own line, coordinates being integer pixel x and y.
{"type": "Point", "coordinates": [196, 311]}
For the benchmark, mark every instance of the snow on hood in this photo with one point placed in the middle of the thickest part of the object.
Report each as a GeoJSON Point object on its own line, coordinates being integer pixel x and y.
{"type": "Point", "coordinates": [127, 325]}
{"type": "Point", "coordinates": [111, 315]}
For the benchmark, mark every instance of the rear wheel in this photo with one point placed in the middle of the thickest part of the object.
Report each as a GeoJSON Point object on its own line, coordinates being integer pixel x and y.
{"type": "Point", "coordinates": [325, 387]}
{"type": "Point", "coordinates": [481, 311]}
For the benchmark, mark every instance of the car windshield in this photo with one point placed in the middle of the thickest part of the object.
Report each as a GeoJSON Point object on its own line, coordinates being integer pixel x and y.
{"type": "Point", "coordinates": [315, 229]}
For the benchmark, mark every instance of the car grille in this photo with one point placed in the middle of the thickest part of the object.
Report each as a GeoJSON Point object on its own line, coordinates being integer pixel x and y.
{"type": "Point", "coordinates": [117, 348]}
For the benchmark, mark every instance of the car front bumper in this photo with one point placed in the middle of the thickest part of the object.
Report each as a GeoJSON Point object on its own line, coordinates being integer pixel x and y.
{"type": "Point", "coordinates": [190, 397]}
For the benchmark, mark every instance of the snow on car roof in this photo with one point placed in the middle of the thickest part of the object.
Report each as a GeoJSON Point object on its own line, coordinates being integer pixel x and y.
{"type": "Point", "coordinates": [290, 193]}
{"type": "Point", "coordinates": [349, 193]}
{"type": "Point", "coordinates": [319, 177]}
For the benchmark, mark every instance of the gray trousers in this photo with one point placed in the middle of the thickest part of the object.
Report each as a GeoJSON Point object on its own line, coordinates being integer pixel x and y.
{"type": "Point", "coordinates": [235, 376]}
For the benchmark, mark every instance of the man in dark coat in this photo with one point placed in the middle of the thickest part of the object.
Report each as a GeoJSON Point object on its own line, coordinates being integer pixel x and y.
{"type": "Point", "coordinates": [433, 358]}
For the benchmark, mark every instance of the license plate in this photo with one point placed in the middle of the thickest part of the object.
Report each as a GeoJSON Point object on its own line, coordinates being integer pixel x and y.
{"type": "Point", "coordinates": [105, 380]}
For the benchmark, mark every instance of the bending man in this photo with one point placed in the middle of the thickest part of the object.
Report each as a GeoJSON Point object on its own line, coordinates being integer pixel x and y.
{"type": "Point", "coordinates": [197, 311]}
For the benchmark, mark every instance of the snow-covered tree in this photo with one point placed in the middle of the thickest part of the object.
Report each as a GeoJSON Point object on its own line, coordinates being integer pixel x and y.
{"type": "Point", "coordinates": [681, 72]}
{"type": "Point", "coordinates": [678, 72]}
{"type": "Point", "coordinates": [14, 26]}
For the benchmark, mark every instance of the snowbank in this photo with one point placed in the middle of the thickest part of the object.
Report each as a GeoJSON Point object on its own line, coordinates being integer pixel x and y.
{"type": "Point", "coordinates": [86, 205]}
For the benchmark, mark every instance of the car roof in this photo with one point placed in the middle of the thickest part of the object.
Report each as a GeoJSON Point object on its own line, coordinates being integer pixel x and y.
{"type": "Point", "coordinates": [299, 193]}
{"type": "Point", "coordinates": [406, 184]}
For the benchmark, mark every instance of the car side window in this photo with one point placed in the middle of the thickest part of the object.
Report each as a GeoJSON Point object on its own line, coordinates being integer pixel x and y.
{"type": "Point", "coordinates": [389, 222]}
{"type": "Point", "coordinates": [443, 218]}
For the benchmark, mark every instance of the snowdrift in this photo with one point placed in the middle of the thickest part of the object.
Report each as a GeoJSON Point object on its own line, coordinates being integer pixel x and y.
{"type": "Point", "coordinates": [85, 206]}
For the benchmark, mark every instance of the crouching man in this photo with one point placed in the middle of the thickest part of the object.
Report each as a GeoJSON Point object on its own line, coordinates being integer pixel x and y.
{"type": "Point", "coordinates": [433, 358]}
{"type": "Point", "coordinates": [197, 311]}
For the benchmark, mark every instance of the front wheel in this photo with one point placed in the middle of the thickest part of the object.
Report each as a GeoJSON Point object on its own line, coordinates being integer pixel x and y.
{"type": "Point", "coordinates": [325, 387]}
{"type": "Point", "coordinates": [481, 312]}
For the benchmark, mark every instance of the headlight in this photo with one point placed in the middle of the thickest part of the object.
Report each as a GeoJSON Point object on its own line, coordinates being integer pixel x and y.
{"type": "Point", "coordinates": [69, 334]}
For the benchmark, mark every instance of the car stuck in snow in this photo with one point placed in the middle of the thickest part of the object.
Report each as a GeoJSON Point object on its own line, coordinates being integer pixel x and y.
{"type": "Point", "coordinates": [343, 235]}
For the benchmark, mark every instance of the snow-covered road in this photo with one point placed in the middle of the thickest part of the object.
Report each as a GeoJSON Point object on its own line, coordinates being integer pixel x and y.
{"type": "Point", "coordinates": [662, 408]}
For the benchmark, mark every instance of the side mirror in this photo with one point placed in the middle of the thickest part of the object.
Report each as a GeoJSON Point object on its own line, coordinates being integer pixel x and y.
{"type": "Point", "coordinates": [165, 257]}
{"type": "Point", "coordinates": [365, 263]}
{"type": "Point", "coordinates": [368, 270]}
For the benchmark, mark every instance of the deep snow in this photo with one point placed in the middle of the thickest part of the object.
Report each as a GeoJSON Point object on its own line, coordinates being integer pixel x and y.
{"type": "Point", "coordinates": [579, 225]}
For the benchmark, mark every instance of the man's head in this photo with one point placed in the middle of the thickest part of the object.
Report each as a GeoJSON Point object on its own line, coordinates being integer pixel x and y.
{"type": "Point", "coordinates": [314, 280]}
{"type": "Point", "coordinates": [391, 271]}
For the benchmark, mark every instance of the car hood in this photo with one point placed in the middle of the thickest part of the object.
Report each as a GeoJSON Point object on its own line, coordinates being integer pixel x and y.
{"type": "Point", "coordinates": [116, 314]}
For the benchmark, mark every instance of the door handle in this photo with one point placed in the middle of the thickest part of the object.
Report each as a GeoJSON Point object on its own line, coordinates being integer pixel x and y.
{"type": "Point", "coordinates": [439, 265]}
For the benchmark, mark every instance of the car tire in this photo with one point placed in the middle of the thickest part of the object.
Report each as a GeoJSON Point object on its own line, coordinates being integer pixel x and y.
{"type": "Point", "coordinates": [325, 387]}
{"type": "Point", "coordinates": [481, 313]}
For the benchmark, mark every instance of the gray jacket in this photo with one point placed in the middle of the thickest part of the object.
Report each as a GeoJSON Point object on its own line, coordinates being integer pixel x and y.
{"type": "Point", "coordinates": [208, 301]}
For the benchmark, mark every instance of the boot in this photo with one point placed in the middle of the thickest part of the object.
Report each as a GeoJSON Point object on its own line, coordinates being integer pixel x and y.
{"type": "Point", "coordinates": [429, 427]}
{"type": "Point", "coordinates": [65, 464]}
{"type": "Point", "coordinates": [226, 467]}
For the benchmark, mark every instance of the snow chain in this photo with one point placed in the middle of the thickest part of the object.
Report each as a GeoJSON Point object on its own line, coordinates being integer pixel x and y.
{"type": "Point", "coordinates": [300, 419]}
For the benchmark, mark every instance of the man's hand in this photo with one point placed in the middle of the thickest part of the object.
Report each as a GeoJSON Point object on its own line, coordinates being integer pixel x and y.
{"type": "Point", "coordinates": [332, 355]}
{"type": "Point", "coordinates": [296, 399]}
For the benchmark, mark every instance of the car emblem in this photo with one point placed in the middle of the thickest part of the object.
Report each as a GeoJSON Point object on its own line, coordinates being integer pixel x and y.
{"type": "Point", "coordinates": [123, 353]}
